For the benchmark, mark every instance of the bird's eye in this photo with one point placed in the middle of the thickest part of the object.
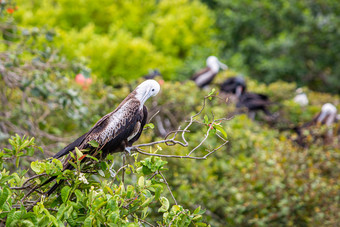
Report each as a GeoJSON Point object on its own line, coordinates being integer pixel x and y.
{"type": "Point", "coordinates": [153, 89]}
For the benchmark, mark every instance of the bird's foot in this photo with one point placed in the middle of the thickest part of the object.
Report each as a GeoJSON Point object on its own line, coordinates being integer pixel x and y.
{"type": "Point", "coordinates": [128, 150]}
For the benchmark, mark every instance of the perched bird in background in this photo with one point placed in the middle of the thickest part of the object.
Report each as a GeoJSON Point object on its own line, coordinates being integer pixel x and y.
{"type": "Point", "coordinates": [254, 102]}
{"type": "Point", "coordinates": [327, 115]}
{"type": "Point", "coordinates": [301, 97]}
{"type": "Point", "coordinates": [114, 132]}
{"type": "Point", "coordinates": [234, 85]}
{"type": "Point", "coordinates": [207, 75]}
{"type": "Point", "coordinates": [152, 74]}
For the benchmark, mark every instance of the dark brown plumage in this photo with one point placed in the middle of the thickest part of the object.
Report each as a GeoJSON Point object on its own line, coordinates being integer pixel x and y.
{"type": "Point", "coordinates": [234, 85]}
{"type": "Point", "coordinates": [205, 76]}
{"type": "Point", "coordinates": [254, 102]}
{"type": "Point", "coordinates": [115, 131]}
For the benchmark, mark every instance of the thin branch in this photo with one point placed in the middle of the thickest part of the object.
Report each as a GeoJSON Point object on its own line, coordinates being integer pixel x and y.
{"type": "Point", "coordinates": [153, 115]}
{"type": "Point", "coordinates": [166, 182]}
{"type": "Point", "coordinates": [123, 173]}
{"type": "Point", "coordinates": [121, 168]}
{"type": "Point", "coordinates": [176, 217]}
{"type": "Point", "coordinates": [35, 176]}
{"type": "Point", "coordinates": [141, 220]}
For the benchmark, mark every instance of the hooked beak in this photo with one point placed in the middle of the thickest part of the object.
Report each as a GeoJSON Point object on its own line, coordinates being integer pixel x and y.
{"type": "Point", "coordinates": [239, 90]}
{"type": "Point", "coordinates": [161, 82]}
{"type": "Point", "coordinates": [223, 66]}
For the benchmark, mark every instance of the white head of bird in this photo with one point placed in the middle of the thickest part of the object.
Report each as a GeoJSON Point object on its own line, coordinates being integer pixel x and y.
{"type": "Point", "coordinates": [301, 97]}
{"type": "Point", "coordinates": [146, 90]}
{"type": "Point", "coordinates": [214, 64]}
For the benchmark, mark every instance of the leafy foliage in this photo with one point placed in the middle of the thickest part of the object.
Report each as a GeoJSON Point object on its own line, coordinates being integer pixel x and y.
{"type": "Point", "coordinates": [136, 37]}
{"type": "Point", "coordinates": [263, 178]}
{"type": "Point", "coordinates": [87, 200]}
{"type": "Point", "coordinates": [296, 41]}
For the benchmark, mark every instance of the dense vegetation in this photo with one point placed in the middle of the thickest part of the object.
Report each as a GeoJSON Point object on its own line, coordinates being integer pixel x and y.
{"type": "Point", "coordinates": [261, 178]}
{"type": "Point", "coordinates": [291, 40]}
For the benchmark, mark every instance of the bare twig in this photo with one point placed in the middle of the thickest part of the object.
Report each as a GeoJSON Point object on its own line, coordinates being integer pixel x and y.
{"type": "Point", "coordinates": [120, 169]}
{"type": "Point", "coordinates": [184, 143]}
{"type": "Point", "coordinates": [166, 182]}
{"type": "Point", "coordinates": [35, 176]}
{"type": "Point", "coordinates": [141, 220]}
{"type": "Point", "coordinates": [123, 173]}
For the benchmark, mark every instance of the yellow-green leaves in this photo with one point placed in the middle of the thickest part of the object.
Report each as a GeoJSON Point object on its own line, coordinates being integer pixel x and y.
{"type": "Point", "coordinates": [141, 181]}
{"type": "Point", "coordinates": [165, 204]}
{"type": "Point", "coordinates": [65, 192]}
{"type": "Point", "coordinates": [38, 167]}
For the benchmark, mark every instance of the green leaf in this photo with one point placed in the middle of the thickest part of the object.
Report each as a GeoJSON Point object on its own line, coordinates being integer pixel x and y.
{"type": "Point", "coordinates": [141, 182]}
{"type": "Point", "coordinates": [61, 211]}
{"type": "Point", "coordinates": [212, 92]}
{"type": "Point", "coordinates": [89, 156]}
{"type": "Point", "coordinates": [4, 194]}
{"type": "Point", "coordinates": [58, 163]}
{"type": "Point", "coordinates": [65, 193]}
{"type": "Point", "coordinates": [157, 188]}
{"type": "Point", "coordinates": [101, 173]}
{"type": "Point", "coordinates": [88, 221]}
{"type": "Point", "coordinates": [220, 129]}
{"type": "Point", "coordinates": [40, 149]}
{"type": "Point", "coordinates": [79, 153]}
{"type": "Point", "coordinates": [165, 204]}
{"type": "Point", "coordinates": [197, 217]}
{"type": "Point", "coordinates": [206, 119]}
{"type": "Point", "coordinates": [13, 216]}
{"type": "Point", "coordinates": [38, 167]}
{"type": "Point", "coordinates": [93, 143]}
{"type": "Point", "coordinates": [149, 125]}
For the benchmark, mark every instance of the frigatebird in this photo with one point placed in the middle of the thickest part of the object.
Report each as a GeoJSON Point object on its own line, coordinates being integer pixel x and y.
{"type": "Point", "coordinates": [152, 74]}
{"type": "Point", "coordinates": [114, 132]}
{"type": "Point", "coordinates": [207, 75]}
{"type": "Point", "coordinates": [327, 116]}
{"type": "Point", "coordinates": [234, 85]}
{"type": "Point", "coordinates": [301, 97]}
{"type": "Point", "coordinates": [254, 102]}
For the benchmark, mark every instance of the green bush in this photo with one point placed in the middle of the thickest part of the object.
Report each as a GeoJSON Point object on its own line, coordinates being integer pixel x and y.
{"type": "Point", "coordinates": [136, 37]}
{"type": "Point", "coordinates": [86, 200]}
{"type": "Point", "coordinates": [295, 41]}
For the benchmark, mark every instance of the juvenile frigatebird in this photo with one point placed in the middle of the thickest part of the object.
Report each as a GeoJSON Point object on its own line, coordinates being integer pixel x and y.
{"type": "Point", "coordinates": [206, 75]}
{"type": "Point", "coordinates": [254, 102]}
{"type": "Point", "coordinates": [234, 85]}
{"type": "Point", "coordinates": [327, 116]}
{"type": "Point", "coordinates": [114, 132]}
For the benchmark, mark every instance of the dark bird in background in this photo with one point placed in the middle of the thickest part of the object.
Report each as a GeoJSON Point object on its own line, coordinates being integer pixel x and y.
{"type": "Point", "coordinates": [114, 132]}
{"type": "Point", "coordinates": [207, 75]}
{"type": "Point", "coordinates": [254, 102]}
{"type": "Point", "coordinates": [152, 74]}
{"type": "Point", "coordinates": [234, 85]}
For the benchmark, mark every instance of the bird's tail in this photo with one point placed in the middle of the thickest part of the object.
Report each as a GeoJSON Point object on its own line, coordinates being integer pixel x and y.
{"type": "Point", "coordinates": [53, 188]}
{"type": "Point", "coordinates": [56, 185]}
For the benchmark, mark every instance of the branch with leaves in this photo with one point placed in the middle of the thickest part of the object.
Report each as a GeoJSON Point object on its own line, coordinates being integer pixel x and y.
{"type": "Point", "coordinates": [129, 198]}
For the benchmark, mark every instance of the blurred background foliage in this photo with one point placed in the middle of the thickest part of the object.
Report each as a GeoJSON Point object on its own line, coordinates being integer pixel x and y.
{"type": "Point", "coordinates": [262, 177]}
{"type": "Point", "coordinates": [127, 38]}
{"type": "Point", "coordinates": [296, 41]}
